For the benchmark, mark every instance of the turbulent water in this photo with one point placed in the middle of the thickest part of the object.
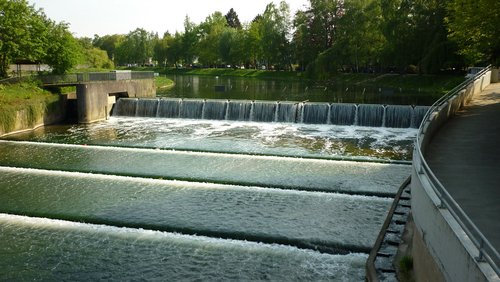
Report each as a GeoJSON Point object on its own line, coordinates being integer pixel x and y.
{"type": "Point", "coordinates": [45, 249]}
{"type": "Point", "coordinates": [281, 139]}
{"type": "Point", "coordinates": [136, 198]}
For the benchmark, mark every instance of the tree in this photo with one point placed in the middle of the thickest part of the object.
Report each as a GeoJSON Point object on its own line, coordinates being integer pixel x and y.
{"type": "Point", "coordinates": [416, 35]}
{"type": "Point", "coordinates": [63, 50]}
{"type": "Point", "coordinates": [274, 27]}
{"type": "Point", "coordinates": [93, 57]}
{"type": "Point", "coordinates": [473, 25]}
{"type": "Point", "coordinates": [210, 33]}
{"type": "Point", "coordinates": [161, 49]}
{"type": "Point", "coordinates": [136, 48]}
{"type": "Point", "coordinates": [232, 19]}
{"type": "Point", "coordinates": [22, 31]}
{"type": "Point", "coordinates": [255, 41]}
{"type": "Point", "coordinates": [315, 29]}
{"type": "Point", "coordinates": [174, 50]}
{"type": "Point", "coordinates": [189, 40]}
{"type": "Point", "coordinates": [359, 41]}
{"type": "Point", "coordinates": [109, 43]}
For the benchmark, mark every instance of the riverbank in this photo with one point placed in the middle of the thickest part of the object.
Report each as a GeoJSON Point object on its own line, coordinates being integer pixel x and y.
{"type": "Point", "coordinates": [163, 83]}
{"type": "Point", "coordinates": [27, 106]}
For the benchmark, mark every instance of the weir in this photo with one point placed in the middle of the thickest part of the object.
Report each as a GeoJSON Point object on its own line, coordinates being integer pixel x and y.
{"type": "Point", "coordinates": [374, 115]}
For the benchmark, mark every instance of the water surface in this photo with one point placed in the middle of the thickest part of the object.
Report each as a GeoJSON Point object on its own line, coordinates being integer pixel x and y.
{"type": "Point", "coordinates": [194, 86]}
{"type": "Point", "coordinates": [281, 139]}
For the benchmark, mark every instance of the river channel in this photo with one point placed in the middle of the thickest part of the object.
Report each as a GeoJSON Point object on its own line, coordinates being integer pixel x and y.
{"type": "Point", "coordinates": [169, 198]}
{"type": "Point", "coordinates": [209, 87]}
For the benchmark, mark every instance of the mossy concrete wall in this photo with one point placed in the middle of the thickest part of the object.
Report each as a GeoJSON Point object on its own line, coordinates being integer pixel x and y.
{"type": "Point", "coordinates": [95, 99]}
{"type": "Point", "coordinates": [27, 119]}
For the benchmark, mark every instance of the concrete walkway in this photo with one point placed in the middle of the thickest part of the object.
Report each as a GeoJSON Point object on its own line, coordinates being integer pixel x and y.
{"type": "Point", "coordinates": [465, 156]}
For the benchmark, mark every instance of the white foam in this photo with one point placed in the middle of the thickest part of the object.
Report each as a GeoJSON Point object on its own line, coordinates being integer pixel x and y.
{"type": "Point", "coordinates": [187, 184]}
{"type": "Point", "coordinates": [193, 153]}
{"type": "Point", "coordinates": [124, 232]}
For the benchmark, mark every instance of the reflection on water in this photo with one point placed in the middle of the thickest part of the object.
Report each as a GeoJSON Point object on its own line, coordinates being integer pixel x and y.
{"type": "Point", "coordinates": [209, 87]}
{"type": "Point", "coordinates": [284, 139]}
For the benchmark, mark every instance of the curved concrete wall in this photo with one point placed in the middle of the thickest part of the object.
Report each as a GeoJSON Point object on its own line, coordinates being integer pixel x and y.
{"type": "Point", "coordinates": [449, 246]}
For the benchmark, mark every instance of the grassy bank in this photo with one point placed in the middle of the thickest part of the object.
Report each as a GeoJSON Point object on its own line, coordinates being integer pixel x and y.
{"type": "Point", "coordinates": [163, 83]}
{"type": "Point", "coordinates": [425, 83]}
{"type": "Point", "coordinates": [26, 96]}
{"type": "Point", "coordinates": [239, 73]}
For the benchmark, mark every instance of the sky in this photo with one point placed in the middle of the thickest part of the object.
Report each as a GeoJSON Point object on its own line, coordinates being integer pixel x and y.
{"type": "Point", "coordinates": [101, 17]}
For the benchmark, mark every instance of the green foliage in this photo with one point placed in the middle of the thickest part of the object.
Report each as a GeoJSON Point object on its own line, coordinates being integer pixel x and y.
{"type": "Point", "coordinates": [92, 57]}
{"type": "Point", "coordinates": [210, 33]}
{"type": "Point", "coordinates": [108, 43]}
{"type": "Point", "coordinates": [232, 19]}
{"type": "Point", "coordinates": [160, 50]}
{"type": "Point", "coordinates": [136, 48]}
{"type": "Point", "coordinates": [63, 52]}
{"type": "Point", "coordinates": [26, 97]}
{"type": "Point", "coordinates": [27, 34]}
{"type": "Point", "coordinates": [162, 82]}
{"type": "Point", "coordinates": [473, 25]}
{"type": "Point", "coordinates": [406, 267]}
{"type": "Point", "coordinates": [21, 33]}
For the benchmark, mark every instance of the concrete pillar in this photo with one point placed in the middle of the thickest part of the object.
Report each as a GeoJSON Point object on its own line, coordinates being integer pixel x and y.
{"type": "Point", "coordinates": [94, 102]}
{"type": "Point", "coordinates": [495, 75]}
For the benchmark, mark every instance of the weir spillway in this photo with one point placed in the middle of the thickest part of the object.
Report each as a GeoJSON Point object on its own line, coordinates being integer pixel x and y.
{"type": "Point", "coordinates": [203, 189]}
{"type": "Point", "coordinates": [397, 116]}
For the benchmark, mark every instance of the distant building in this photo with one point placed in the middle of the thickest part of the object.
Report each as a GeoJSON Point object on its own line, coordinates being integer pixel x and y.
{"type": "Point", "coordinates": [27, 67]}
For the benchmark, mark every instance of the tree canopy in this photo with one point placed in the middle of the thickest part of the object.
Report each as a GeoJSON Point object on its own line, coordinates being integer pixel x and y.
{"type": "Point", "coordinates": [27, 34]}
{"type": "Point", "coordinates": [327, 36]}
{"type": "Point", "coordinates": [474, 27]}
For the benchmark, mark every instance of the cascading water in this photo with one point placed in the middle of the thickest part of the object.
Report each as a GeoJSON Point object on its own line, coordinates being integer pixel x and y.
{"type": "Point", "coordinates": [343, 114]}
{"type": "Point", "coordinates": [215, 109]}
{"type": "Point", "coordinates": [168, 108]}
{"type": "Point", "coordinates": [192, 109]}
{"type": "Point", "coordinates": [370, 115]}
{"type": "Point", "coordinates": [146, 107]}
{"type": "Point", "coordinates": [373, 115]}
{"type": "Point", "coordinates": [418, 115]}
{"type": "Point", "coordinates": [315, 113]}
{"type": "Point", "coordinates": [264, 111]}
{"type": "Point", "coordinates": [287, 111]}
{"type": "Point", "coordinates": [398, 116]}
{"type": "Point", "coordinates": [239, 110]}
{"type": "Point", "coordinates": [125, 107]}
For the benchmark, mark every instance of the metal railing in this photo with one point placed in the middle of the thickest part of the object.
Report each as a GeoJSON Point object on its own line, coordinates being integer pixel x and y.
{"type": "Point", "coordinates": [487, 253]}
{"type": "Point", "coordinates": [94, 76]}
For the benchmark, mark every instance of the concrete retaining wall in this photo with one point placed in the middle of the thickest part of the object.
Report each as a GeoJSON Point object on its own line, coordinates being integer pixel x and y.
{"type": "Point", "coordinates": [445, 240]}
{"type": "Point", "coordinates": [451, 249]}
{"type": "Point", "coordinates": [55, 113]}
{"type": "Point", "coordinates": [93, 98]}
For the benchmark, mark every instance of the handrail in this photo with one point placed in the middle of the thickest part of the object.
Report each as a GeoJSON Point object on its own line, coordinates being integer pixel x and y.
{"type": "Point", "coordinates": [371, 271]}
{"type": "Point", "coordinates": [486, 251]}
{"type": "Point", "coordinates": [94, 76]}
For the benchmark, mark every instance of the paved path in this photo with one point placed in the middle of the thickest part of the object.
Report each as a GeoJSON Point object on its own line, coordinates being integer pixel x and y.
{"type": "Point", "coordinates": [465, 156]}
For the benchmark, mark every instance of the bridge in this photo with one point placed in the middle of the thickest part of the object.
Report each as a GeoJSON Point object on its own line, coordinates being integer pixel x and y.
{"type": "Point", "coordinates": [455, 185]}
{"type": "Point", "coordinates": [96, 93]}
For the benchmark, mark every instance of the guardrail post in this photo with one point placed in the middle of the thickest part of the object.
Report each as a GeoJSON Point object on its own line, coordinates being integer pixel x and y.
{"type": "Point", "coordinates": [441, 205]}
{"type": "Point", "coordinates": [480, 257]}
